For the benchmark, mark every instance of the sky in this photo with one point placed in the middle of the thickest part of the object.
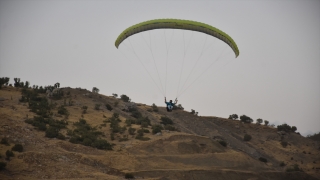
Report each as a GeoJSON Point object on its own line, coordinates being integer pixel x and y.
{"type": "Point", "coordinates": [276, 76]}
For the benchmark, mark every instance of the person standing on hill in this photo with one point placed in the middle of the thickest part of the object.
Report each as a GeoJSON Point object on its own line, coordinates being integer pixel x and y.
{"type": "Point", "coordinates": [170, 104]}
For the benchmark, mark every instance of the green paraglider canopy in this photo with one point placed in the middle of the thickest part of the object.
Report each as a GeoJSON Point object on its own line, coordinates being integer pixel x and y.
{"type": "Point", "coordinates": [178, 24]}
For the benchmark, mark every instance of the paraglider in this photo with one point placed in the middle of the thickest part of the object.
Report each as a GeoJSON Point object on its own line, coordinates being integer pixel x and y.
{"type": "Point", "coordinates": [170, 104]}
{"type": "Point", "coordinates": [180, 25]}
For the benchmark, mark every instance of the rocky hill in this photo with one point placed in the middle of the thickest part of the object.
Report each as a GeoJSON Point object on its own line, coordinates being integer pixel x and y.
{"type": "Point", "coordinates": [85, 135]}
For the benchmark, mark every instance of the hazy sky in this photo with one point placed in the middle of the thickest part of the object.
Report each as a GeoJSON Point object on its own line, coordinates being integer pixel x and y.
{"type": "Point", "coordinates": [276, 76]}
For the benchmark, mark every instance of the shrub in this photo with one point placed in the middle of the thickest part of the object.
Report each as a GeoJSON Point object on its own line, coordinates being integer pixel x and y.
{"type": "Point", "coordinates": [282, 164]}
{"type": "Point", "coordinates": [114, 95]}
{"type": "Point", "coordinates": [97, 106]}
{"type": "Point", "coordinates": [156, 129]}
{"type": "Point", "coordinates": [165, 120]}
{"type": "Point", "coordinates": [146, 131]}
{"type": "Point", "coordinates": [130, 121]}
{"type": "Point", "coordinates": [245, 119]}
{"type": "Point", "coordinates": [154, 108]}
{"type": "Point", "coordinates": [286, 128]}
{"type": "Point", "coordinates": [141, 138]}
{"type": "Point", "coordinates": [247, 137]}
{"type": "Point", "coordinates": [193, 111]}
{"type": "Point", "coordinates": [52, 132]}
{"type": "Point", "coordinates": [266, 122]}
{"type": "Point", "coordinates": [233, 116]}
{"type": "Point", "coordinates": [5, 141]}
{"type": "Point", "coordinates": [129, 176]}
{"type": "Point", "coordinates": [284, 144]}
{"type": "Point", "coordinates": [263, 159]}
{"type": "Point", "coordinates": [259, 121]}
{"type": "Point", "coordinates": [136, 114]}
{"type": "Point", "coordinates": [169, 127]}
{"type": "Point", "coordinates": [84, 109]}
{"type": "Point", "coordinates": [223, 143]}
{"type": "Point", "coordinates": [102, 144]}
{"type": "Point", "coordinates": [125, 98]}
{"type": "Point", "coordinates": [95, 90]}
{"type": "Point", "coordinates": [131, 131]}
{"type": "Point", "coordinates": [61, 136]}
{"type": "Point", "coordinates": [293, 168]}
{"type": "Point", "coordinates": [63, 111]}
{"type": "Point", "coordinates": [109, 107]}
{"type": "Point", "coordinates": [9, 154]}
{"type": "Point", "coordinates": [87, 142]}
{"type": "Point", "coordinates": [4, 80]}
{"type": "Point", "coordinates": [2, 165]}
{"type": "Point", "coordinates": [17, 147]}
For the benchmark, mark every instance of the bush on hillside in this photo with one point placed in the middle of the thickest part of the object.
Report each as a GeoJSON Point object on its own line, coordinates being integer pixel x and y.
{"type": "Point", "coordinates": [169, 127]}
{"type": "Point", "coordinates": [223, 143]}
{"type": "Point", "coordinates": [108, 106]}
{"type": "Point", "coordinates": [129, 176]}
{"type": "Point", "coordinates": [52, 132]}
{"type": "Point", "coordinates": [5, 141]}
{"type": "Point", "coordinates": [247, 137]}
{"type": "Point", "coordinates": [154, 108]}
{"type": "Point", "coordinates": [315, 137]}
{"type": "Point", "coordinates": [131, 131]}
{"type": "Point", "coordinates": [284, 143]}
{"type": "Point", "coordinates": [259, 121]}
{"type": "Point", "coordinates": [233, 117]}
{"type": "Point", "coordinates": [293, 168]}
{"type": "Point", "coordinates": [17, 147]}
{"type": "Point", "coordinates": [9, 154]}
{"type": "Point", "coordinates": [84, 109]}
{"type": "Point", "coordinates": [286, 128]}
{"type": "Point", "coordinates": [97, 106]}
{"type": "Point", "coordinates": [263, 159]}
{"type": "Point", "coordinates": [266, 122]}
{"type": "Point", "coordinates": [4, 80]}
{"type": "Point", "coordinates": [3, 165]}
{"type": "Point", "coordinates": [125, 98]}
{"type": "Point", "coordinates": [156, 129]}
{"type": "Point", "coordinates": [165, 120]}
{"type": "Point", "coordinates": [245, 119]}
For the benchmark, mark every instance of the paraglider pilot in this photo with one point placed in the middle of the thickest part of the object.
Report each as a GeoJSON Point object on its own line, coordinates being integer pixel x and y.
{"type": "Point", "coordinates": [170, 104]}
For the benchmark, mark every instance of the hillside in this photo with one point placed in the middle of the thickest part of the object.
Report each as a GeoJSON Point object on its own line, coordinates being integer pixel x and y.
{"type": "Point", "coordinates": [192, 151]}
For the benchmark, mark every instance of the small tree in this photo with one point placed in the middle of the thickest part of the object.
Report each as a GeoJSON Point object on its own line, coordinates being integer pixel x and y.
{"type": "Point", "coordinates": [293, 128]}
{"type": "Point", "coordinates": [115, 95]}
{"type": "Point", "coordinates": [266, 122]}
{"type": "Point", "coordinates": [246, 119]}
{"type": "Point", "coordinates": [233, 116]}
{"type": "Point", "coordinates": [95, 90]}
{"type": "Point", "coordinates": [193, 111]}
{"type": "Point", "coordinates": [125, 98]}
{"type": "Point", "coordinates": [259, 121]}
{"type": "Point", "coordinates": [4, 80]}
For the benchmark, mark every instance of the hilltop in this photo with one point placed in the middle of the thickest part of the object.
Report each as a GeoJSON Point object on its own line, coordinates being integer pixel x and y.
{"type": "Point", "coordinates": [81, 144]}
